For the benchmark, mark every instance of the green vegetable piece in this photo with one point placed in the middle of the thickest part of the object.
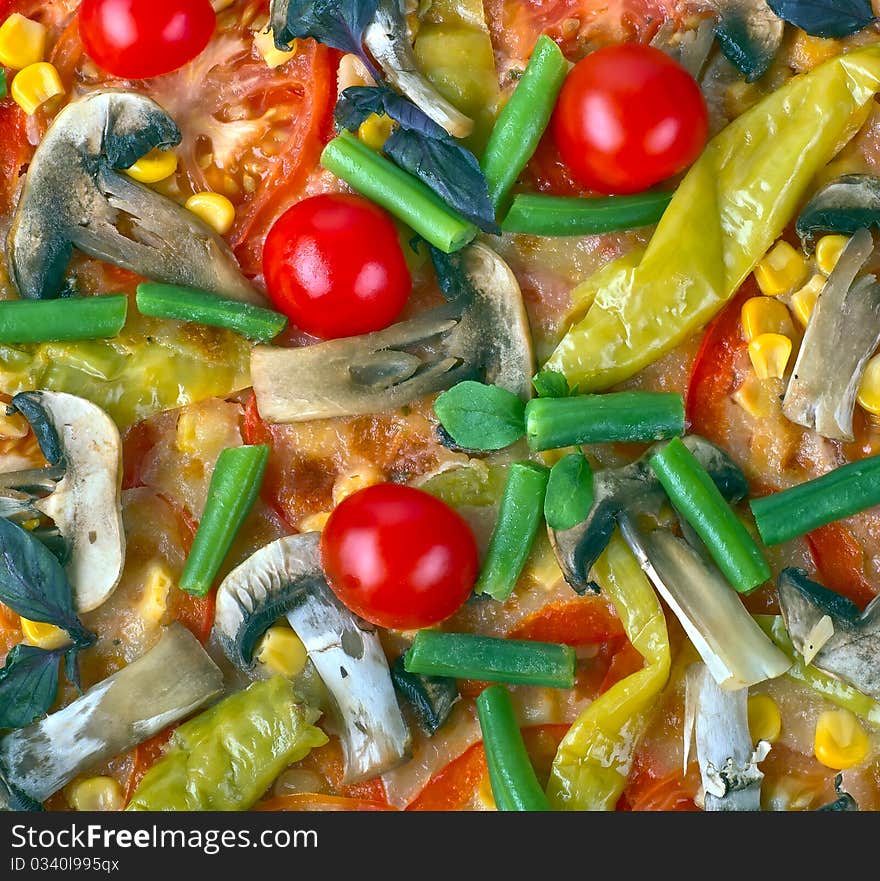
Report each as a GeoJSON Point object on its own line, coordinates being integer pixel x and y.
{"type": "Point", "coordinates": [225, 758]}
{"type": "Point", "coordinates": [201, 307]}
{"type": "Point", "coordinates": [234, 487]}
{"type": "Point", "coordinates": [431, 698]}
{"type": "Point", "coordinates": [539, 215]}
{"type": "Point", "coordinates": [522, 121]}
{"type": "Point", "coordinates": [77, 318]}
{"type": "Point", "coordinates": [398, 192]}
{"type": "Point", "coordinates": [551, 384]}
{"type": "Point", "coordinates": [514, 784]}
{"type": "Point", "coordinates": [569, 492]}
{"type": "Point", "coordinates": [552, 423]}
{"type": "Point", "coordinates": [467, 656]}
{"type": "Point", "coordinates": [2, 83]}
{"type": "Point", "coordinates": [28, 684]}
{"type": "Point", "coordinates": [846, 205]}
{"type": "Point", "coordinates": [825, 18]}
{"type": "Point", "coordinates": [841, 493]}
{"type": "Point", "coordinates": [699, 501]}
{"type": "Point", "coordinates": [481, 417]}
{"type": "Point", "coordinates": [520, 514]}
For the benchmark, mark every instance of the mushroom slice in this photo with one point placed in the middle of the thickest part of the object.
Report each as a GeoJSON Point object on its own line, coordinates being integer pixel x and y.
{"type": "Point", "coordinates": [634, 489]}
{"type": "Point", "coordinates": [83, 447]}
{"type": "Point", "coordinates": [846, 205]}
{"type": "Point", "coordinates": [388, 41]}
{"type": "Point", "coordinates": [285, 578]}
{"type": "Point", "coordinates": [852, 652]}
{"type": "Point", "coordinates": [74, 197]}
{"type": "Point", "coordinates": [749, 34]}
{"type": "Point", "coordinates": [482, 332]}
{"type": "Point", "coordinates": [842, 335]}
{"type": "Point", "coordinates": [164, 685]}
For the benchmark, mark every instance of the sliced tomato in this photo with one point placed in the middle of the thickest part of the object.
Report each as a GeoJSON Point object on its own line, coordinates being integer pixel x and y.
{"type": "Point", "coordinates": [144, 756]}
{"type": "Point", "coordinates": [16, 152]}
{"type": "Point", "coordinates": [585, 621]}
{"type": "Point", "coordinates": [310, 801]}
{"type": "Point", "coordinates": [136, 443]}
{"type": "Point", "coordinates": [652, 789]}
{"type": "Point", "coordinates": [453, 786]}
{"type": "Point", "coordinates": [626, 661]}
{"type": "Point", "coordinates": [840, 562]}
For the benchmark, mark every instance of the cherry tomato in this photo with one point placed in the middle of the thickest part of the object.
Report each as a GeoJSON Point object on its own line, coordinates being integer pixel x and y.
{"type": "Point", "coordinates": [333, 265]}
{"type": "Point", "coordinates": [138, 39]}
{"type": "Point", "coordinates": [628, 117]}
{"type": "Point", "coordinates": [398, 557]}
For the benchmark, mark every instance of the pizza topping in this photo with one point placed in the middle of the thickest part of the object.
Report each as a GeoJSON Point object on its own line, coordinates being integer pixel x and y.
{"type": "Point", "coordinates": [75, 197]}
{"type": "Point", "coordinates": [846, 205]}
{"type": "Point", "coordinates": [79, 318]}
{"type": "Point", "coordinates": [286, 578]}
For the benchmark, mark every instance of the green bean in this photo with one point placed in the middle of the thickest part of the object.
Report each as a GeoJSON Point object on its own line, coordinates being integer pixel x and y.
{"type": "Point", "coordinates": [76, 318]}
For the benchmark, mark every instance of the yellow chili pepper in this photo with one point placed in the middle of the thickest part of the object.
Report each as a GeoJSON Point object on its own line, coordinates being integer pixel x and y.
{"type": "Point", "coordinates": [594, 759]}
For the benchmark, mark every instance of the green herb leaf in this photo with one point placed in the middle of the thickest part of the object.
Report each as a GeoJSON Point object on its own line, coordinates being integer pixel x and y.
{"type": "Point", "coordinates": [28, 685]}
{"type": "Point", "coordinates": [825, 18]}
{"type": "Point", "coordinates": [569, 492]}
{"type": "Point", "coordinates": [481, 417]}
{"type": "Point", "coordinates": [551, 384]}
{"type": "Point", "coordinates": [357, 103]}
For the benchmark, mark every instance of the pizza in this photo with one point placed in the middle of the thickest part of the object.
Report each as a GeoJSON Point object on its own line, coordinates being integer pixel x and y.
{"type": "Point", "coordinates": [450, 406]}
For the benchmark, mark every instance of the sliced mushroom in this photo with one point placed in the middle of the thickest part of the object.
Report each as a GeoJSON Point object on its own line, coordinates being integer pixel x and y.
{"type": "Point", "coordinates": [388, 41]}
{"type": "Point", "coordinates": [852, 652]}
{"type": "Point", "coordinates": [285, 578]}
{"type": "Point", "coordinates": [74, 197]}
{"type": "Point", "coordinates": [79, 491]}
{"type": "Point", "coordinates": [161, 687]}
{"type": "Point", "coordinates": [842, 335]}
{"type": "Point", "coordinates": [846, 205]}
{"type": "Point", "coordinates": [483, 333]}
{"type": "Point", "coordinates": [749, 34]}
{"type": "Point", "coordinates": [690, 47]}
{"type": "Point", "coordinates": [632, 488]}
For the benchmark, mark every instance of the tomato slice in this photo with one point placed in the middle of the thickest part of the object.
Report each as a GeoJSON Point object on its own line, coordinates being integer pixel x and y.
{"type": "Point", "coordinates": [144, 756]}
{"type": "Point", "coordinates": [584, 621]}
{"type": "Point", "coordinates": [651, 789]}
{"type": "Point", "coordinates": [451, 787]}
{"type": "Point", "coordinates": [16, 152]}
{"type": "Point", "coordinates": [840, 561]}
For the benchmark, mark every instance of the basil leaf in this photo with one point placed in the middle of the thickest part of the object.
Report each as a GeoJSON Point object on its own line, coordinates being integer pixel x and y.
{"type": "Point", "coordinates": [450, 170]}
{"type": "Point", "coordinates": [825, 18]}
{"type": "Point", "coordinates": [481, 417]}
{"type": "Point", "coordinates": [336, 23]}
{"type": "Point", "coordinates": [569, 492]}
{"type": "Point", "coordinates": [32, 581]}
{"type": "Point", "coordinates": [551, 384]}
{"type": "Point", "coordinates": [357, 103]}
{"type": "Point", "coordinates": [28, 685]}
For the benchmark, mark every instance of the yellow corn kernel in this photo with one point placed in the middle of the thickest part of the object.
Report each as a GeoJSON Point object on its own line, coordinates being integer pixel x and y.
{"type": "Point", "coordinates": [765, 720]}
{"type": "Point", "coordinates": [314, 522]}
{"type": "Point", "coordinates": [828, 251]}
{"type": "Point", "coordinates": [781, 270]}
{"type": "Point", "coordinates": [45, 636]}
{"type": "Point", "coordinates": [375, 130]}
{"type": "Point", "coordinates": [34, 85]}
{"type": "Point", "coordinates": [869, 389]}
{"type": "Point", "coordinates": [803, 302]}
{"type": "Point", "coordinates": [769, 353]}
{"type": "Point", "coordinates": [840, 741]}
{"type": "Point", "coordinates": [158, 582]}
{"type": "Point", "coordinates": [214, 208]}
{"type": "Point", "coordinates": [96, 794]}
{"type": "Point", "coordinates": [22, 42]}
{"type": "Point", "coordinates": [765, 315]}
{"type": "Point", "coordinates": [156, 166]}
{"type": "Point", "coordinates": [349, 483]}
{"type": "Point", "coordinates": [13, 426]}
{"type": "Point", "coordinates": [264, 42]}
{"type": "Point", "coordinates": [282, 651]}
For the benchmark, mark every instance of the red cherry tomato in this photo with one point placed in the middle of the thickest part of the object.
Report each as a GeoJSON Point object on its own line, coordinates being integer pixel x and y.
{"type": "Point", "coordinates": [628, 117]}
{"type": "Point", "coordinates": [399, 557]}
{"type": "Point", "coordinates": [333, 265]}
{"type": "Point", "coordinates": [138, 39]}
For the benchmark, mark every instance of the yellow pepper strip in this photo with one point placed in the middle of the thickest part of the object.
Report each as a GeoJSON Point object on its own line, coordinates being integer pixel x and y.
{"type": "Point", "coordinates": [594, 759]}
{"type": "Point", "coordinates": [731, 207]}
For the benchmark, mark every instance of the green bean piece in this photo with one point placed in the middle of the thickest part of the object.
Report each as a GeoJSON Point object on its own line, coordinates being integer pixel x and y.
{"type": "Point", "coordinates": [188, 304]}
{"type": "Point", "coordinates": [521, 123]}
{"type": "Point", "coordinates": [406, 197]}
{"type": "Point", "coordinates": [467, 656]}
{"type": "Point", "coordinates": [841, 493]}
{"type": "Point", "coordinates": [234, 487]}
{"type": "Point", "coordinates": [694, 495]}
{"type": "Point", "coordinates": [540, 215]}
{"type": "Point", "coordinates": [511, 774]}
{"type": "Point", "coordinates": [519, 516]}
{"type": "Point", "coordinates": [75, 318]}
{"type": "Point", "coordinates": [553, 423]}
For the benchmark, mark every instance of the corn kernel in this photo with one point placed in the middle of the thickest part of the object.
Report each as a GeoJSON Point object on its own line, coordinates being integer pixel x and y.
{"type": "Point", "coordinates": [781, 270]}
{"type": "Point", "coordinates": [22, 42]}
{"type": "Point", "coordinates": [96, 794]}
{"type": "Point", "coordinates": [348, 484]}
{"type": "Point", "coordinates": [215, 209]}
{"type": "Point", "coordinates": [34, 85]}
{"type": "Point", "coordinates": [869, 389]}
{"type": "Point", "coordinates": [282, 651]}
{"type": "Point", "coordinates": [314, 522]}
{"type": "Point", "coordinates": [828, 251]}
{"type": "Point", "coordinates": [375, 130]}
{"type": "Point", "coordinates": [765, 315]}
{"type": "Point", "coordinates": [158, 582]}
{"type": "Point", "coordinates": [840, 741]}
{"type": "Point", "coordinates": [45, 636]}
{"type": "Point", "coordinates": [765, 720]}
{"type": "Point", "coordinates": [264, 42]}
{"type": "Point", "coordinates": [13, 426]}
{"type": "Point", "coordinates": [769, 354]}
{"type": "Point", "coordinates": [803, 302]}
{"type": "Point", "coordinates": [157, 165]}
